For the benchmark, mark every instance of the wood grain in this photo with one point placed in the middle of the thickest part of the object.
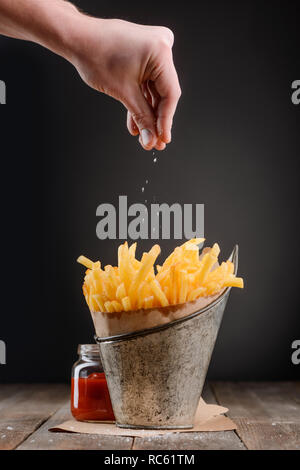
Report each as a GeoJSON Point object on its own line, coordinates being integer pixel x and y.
{"type": "Point", "coordinates": [269, 436]}
{"type": "Point", "coordinates": [267, 414]}
{"type": "Point", "coordinates": [23, 408]}
{"type": "Point", "coordinates": [222, 440]}
{"type": "Point", "coordinates": [43, 439]}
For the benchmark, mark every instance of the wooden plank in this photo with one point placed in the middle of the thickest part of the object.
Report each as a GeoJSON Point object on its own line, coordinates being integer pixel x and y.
{"type": "Point", "coordinates": [43, 439]}
{"type": "Point", "coordinates": [260, 401]}
{"type": "Point", "coordinates": [269, 436]}
{"type": "Point", "coordinates": [23, 408]}
{"type": "Point", "coordinates": [7, 391]}
{"type": "Point", "coordinates": [221, 440]}
{"type": "Point", "coordinates": [267, 414]}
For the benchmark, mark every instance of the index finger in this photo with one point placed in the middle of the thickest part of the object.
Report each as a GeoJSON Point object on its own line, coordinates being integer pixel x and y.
{"type": "Point", "coordinates": [167, 85]}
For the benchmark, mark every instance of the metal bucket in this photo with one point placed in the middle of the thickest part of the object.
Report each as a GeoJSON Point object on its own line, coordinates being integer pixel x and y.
{"type": "Point", "coordinates": [155, 376]}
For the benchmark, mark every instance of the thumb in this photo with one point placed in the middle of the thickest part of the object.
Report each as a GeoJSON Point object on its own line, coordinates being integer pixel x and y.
{"type": "Point", "coordinates": [143, 116]}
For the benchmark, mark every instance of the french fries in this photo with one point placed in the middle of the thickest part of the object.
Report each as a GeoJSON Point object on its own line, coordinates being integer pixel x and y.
{"type": "Point", "coordinates": [137, 284]}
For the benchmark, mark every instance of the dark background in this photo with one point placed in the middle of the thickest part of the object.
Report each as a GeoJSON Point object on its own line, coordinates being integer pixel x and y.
{"type": "Point", "coordinates": [65, 149]}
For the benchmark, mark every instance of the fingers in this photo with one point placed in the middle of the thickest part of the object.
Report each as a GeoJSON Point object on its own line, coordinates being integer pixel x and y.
{"type": "Point", "coordinates": [141, 119]}
{"type": "Point", "coordinates": [152, 97]}
{"type": "Point", "coordinates": [167, 86]}
{"type": "Point", "coordinates": [131, 125]}
{"type": "Point", "coordinates": [159, 145]}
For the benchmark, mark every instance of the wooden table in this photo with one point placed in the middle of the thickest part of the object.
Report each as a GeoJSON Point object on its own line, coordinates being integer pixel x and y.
{"type": "Point", "coordinates": [267, 416]}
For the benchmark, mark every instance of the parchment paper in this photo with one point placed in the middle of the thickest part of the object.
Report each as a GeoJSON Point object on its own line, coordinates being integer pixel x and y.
{"type": "Point", "coordinates": [207, 418]}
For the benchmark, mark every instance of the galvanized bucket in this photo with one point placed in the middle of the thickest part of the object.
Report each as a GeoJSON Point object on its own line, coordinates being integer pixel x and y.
{"type": "Point", "coordinates": [155, 377]}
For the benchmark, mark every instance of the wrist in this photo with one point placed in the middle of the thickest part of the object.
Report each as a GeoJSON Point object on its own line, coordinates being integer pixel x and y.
{"type": "Point", "coordinates": [81, 35]}
{"type": "Point", "coordinates": [62, 29]}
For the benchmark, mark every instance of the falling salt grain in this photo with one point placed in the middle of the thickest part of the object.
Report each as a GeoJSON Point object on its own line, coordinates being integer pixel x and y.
{"type": "Point", "coordinates": [9, 428]}
{"type": "Point", "coordinates": [147, 181]}
{"type": "Point", "coordinates": [143, 189]}
{"type": "Point", "coordinates": [155, 159]}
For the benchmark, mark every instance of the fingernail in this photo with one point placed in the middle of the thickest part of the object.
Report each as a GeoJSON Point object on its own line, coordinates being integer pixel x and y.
{"type": "Point", "coordinates": [146, 137]}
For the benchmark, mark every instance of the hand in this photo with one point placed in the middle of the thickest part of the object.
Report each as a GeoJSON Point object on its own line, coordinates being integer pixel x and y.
{"type": "Point", "coordinates": [133, 64]}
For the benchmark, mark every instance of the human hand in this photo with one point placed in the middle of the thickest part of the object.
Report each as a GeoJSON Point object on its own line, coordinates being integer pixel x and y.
{"type": "Point", "coordinates": [133, 64]}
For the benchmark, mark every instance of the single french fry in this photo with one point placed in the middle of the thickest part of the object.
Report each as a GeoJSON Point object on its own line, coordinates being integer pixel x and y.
{"type": "Point", "coordinates": [126, 304]}
{"type": "Point", "coordinates": [132, 250]}
{"type": "Point", "coordinates": [127, 271]}
{"type": "Point", "coordinates": [108, 289]}
{"type": "Point", "coordinates": [234, 282]}
{"type": "Point", "coordinates": [208, 261]}
{"type": "Point", "coordinates": [193, 295]}
{"type": "Point", "coordinates": [230, 267]}
{"type": "Point", "coordinates": [143, 292]}
{"type": "Point", "coordinates": [173, 285]}
{"type": "Point", "coordinates": [85, 262]}
{"type": "Point", "coordinates": [109, 307]}
{"type": "Point", "coordinates": [121, 292]}
{"type": "Point", "coordinates": [218, 274]}
{"type": "Point", "coordinates": [141, 274]}
{"type": "Point", "coordinates": [117, 306]}
{"type": "Point", "coordinates": [158, 293]}
{"type": "Point", "coordinates": [136, 264]}
{"type": "Point", "coordinates": [99, 302]}
{"type": "Point", "coordinates": [148, 302]}
{"type": "Point", "coordinates": [112, 276]}
{"type": "Point", "coordinates": [120, 256]}
{"type": "Point", "coordinates": [163, 273]}
{"type": "Point", "coordinates": [213, 287]}
{"type": "Point", "coordinates": [96, 265]}
{"type": "Point", "coordinates": [183, 289]}
{"type": "Point", "coordinates": [166, 292]}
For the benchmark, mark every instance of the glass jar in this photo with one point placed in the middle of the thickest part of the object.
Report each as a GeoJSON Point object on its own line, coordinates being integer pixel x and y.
{"type": "Point", "coordinates": [90, 400]}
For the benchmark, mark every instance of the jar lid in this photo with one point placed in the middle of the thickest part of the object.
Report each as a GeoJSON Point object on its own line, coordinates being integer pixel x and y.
{"type": "Point", "coordinates": [88, 348]}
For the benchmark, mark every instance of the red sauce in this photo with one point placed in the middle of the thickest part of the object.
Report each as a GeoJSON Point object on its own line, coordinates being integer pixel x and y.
{"type": "Point", "coordinates": [90, 400]}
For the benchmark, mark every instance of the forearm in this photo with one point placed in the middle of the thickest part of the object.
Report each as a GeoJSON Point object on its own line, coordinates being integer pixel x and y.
{"type": "Point", "coordinates": [51, 23]}
{"type": "Point", "coordinates": [130, 62]}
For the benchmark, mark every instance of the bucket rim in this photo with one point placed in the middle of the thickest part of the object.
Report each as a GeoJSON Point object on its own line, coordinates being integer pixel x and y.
{"type": "Point", "coordinates": [127, 336]}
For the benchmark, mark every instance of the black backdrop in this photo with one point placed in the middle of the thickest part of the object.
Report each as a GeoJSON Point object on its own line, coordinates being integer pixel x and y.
{"type": "Point", "coordinates": [65, 150]}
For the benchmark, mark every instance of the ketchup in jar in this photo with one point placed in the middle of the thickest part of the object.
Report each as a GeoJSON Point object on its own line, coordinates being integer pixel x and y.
{"type": "Point", "coordinates": [90, 400]}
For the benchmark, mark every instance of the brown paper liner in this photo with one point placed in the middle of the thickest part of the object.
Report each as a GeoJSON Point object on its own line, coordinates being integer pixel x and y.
{"type": "Point", "coordinates": [111, 324]}
{"type": "Point", "coordinates": [207, 418]}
